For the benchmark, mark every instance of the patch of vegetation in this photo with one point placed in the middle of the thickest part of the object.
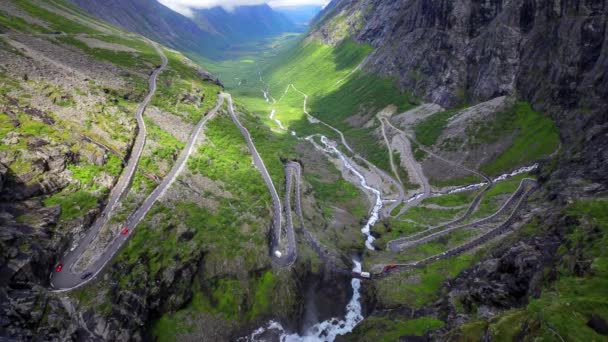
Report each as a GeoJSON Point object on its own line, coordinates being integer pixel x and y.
{"type": "Point", "coordinates": [497, 196]}
{"type": "Point", "coordinates": [56, 95]}
{"type": "Point", "coordinates": [431, 216]}
{"type": "Point", "coordinates": [228, 298]}
{"type": "Point", "coordinates": [86, 173]}
{"type": "Point", "coordinates": [419, 154]}
{"type": "Point", "coordinates": [158, 163]}
{"type": "Point", "coordinates": [402, 172]}
{"type": "Point", "coordinates": [420, 287]}
{"type": "Point", "coordinates": [141, 58]}
{"type": "Point", "coordinates": [395, 228]}
{"type": "Point", "coordinates": [8, 22]}
{"type": "Point", "coordinates": [437, 246]}
{"type": "Point", "coordinates": [56, 22]}
{"type": "Point", "coordinates": [183, 92]}
{"type": "Point", "coordinates": [389, 329]}
{"type": "Point", "coordinates": [536, 136]}
{"type": "Point", "coordinates": [429, 130]}
{"type": "Point", "coordinates": [226, 158]}
{"type": "Point", "coordinates": [73, 205]}
{"type": "Point", "coordinates": [452, 200]}
{"type": "Point", "coordinates": [339, 191]}
{"type": "Point", "coordinates": [95, 296]}
{"type": "Point", "coordinates": [7, 83]}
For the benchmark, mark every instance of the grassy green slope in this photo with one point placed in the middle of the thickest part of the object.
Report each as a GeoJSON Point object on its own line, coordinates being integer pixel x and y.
{"type": "Point", "coordinates": [336, 92]}
{"type": "Point", "coordinates": [535, 135]}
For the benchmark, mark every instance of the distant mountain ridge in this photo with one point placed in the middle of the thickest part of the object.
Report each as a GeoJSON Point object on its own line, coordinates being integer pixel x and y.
{"type": "Point", "coordinates": [243, 22]}
{"type": "Point", "coordinates": [205, 34]}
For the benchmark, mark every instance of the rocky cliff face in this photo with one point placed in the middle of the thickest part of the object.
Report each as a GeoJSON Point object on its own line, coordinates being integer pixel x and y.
{"type": "Point", "coordinates": [551, 53]}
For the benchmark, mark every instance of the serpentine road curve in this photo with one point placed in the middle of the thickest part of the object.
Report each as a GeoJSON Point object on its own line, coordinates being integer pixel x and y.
{"type": "Point", "coordinates": [401, 191]}
{"type": "Point", "coordinates": [66, 279]}
{"type": "Point", "coordinates": [519, 197]}
{"type": "Point", "coordinates": [280, 258]}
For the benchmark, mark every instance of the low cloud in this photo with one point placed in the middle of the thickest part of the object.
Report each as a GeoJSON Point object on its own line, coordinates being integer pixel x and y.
{"type": "Point", "coordinates": [185, 7]}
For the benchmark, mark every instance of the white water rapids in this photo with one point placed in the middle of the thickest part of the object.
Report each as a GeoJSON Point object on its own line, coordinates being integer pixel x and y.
{"type": "Point", "coordinates": [277, 121]}
{"type": "Point", "coordinates": [323, 331]}
{"type": "Point", "coordinates": [497, 179]}
{"type": "Point", "coordinates": [328, 330]}
{"type": "Point", "coordinates": [330, 148]}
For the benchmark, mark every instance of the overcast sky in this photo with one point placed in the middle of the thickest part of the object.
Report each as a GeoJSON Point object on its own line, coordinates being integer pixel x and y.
{"type": "Point", "coordinates": [184, 6]}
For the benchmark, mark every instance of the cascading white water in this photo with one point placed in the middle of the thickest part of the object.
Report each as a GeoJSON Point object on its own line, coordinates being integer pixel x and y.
{"type": "Point", "coordinates": [497, 179]}
{"type": "Point", "coordinates": [266, 98]}
{"type": "Point", "coordinates": [330, 147]}
{"type": "Point", "coordinates": [323, 331]}
{"type": "Point", "coordinates": [328, 330]}
{"type": "Point", "coordinates": [277, 121]}
{"type": "Point", "coordinates": [516, 172]}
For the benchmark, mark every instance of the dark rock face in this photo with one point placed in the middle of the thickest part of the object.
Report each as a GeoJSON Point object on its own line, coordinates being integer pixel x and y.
{"type": "Point", "coordinates": [30, 243]}
{"type": "Point", "coordinates": [3, 172]}
{"type": "Point", "coordinates": [27, 253]}
{"type": "Point", "coordinates": [598, 324]}
{"type": "Point", "coordinates": [552, 53]}
{"type": "Point", "coordinates": [550, 50]}
{"type": "Point", "coordinates": [318, 290]}
{"type": "Point", "coordinates": [507, 280]}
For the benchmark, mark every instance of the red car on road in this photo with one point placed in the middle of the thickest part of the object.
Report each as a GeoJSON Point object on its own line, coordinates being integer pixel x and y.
{"type": "Point", "coordinates": [388, 268]}
{"type": "Point", "coordinates": [58, 268]}
{"type": "Point", "coordinates": [125, 231]}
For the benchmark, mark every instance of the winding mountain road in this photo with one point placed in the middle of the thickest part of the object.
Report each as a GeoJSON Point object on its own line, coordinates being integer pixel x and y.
{"type": "Point", "coordinates": [526, 188]}
{"type": "Point", "coordinates": [390, 152]}
{"type": "Point", "coordinates": [401, 191]}
{"type": "Point", "coordinates": [293, 171]}
{"type": "Point", "coordinates": [516, 199]}
{"type": "Point", "coordinates": [66, 279]}
{"type": "Point", "coordinates": [288, 256]}
{"type": "Point", "coordinates": [419, 174]}
{"type": "Point", "coordinates": [437, 232]}
{"type": "Point", "coordinates": [431, 153]}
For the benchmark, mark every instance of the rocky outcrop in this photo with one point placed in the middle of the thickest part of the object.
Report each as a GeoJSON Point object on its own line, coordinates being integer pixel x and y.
{"type": "Point", "coordinates": [506, 280]}
{"type": "Point", "coordinates": [3, 173]}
